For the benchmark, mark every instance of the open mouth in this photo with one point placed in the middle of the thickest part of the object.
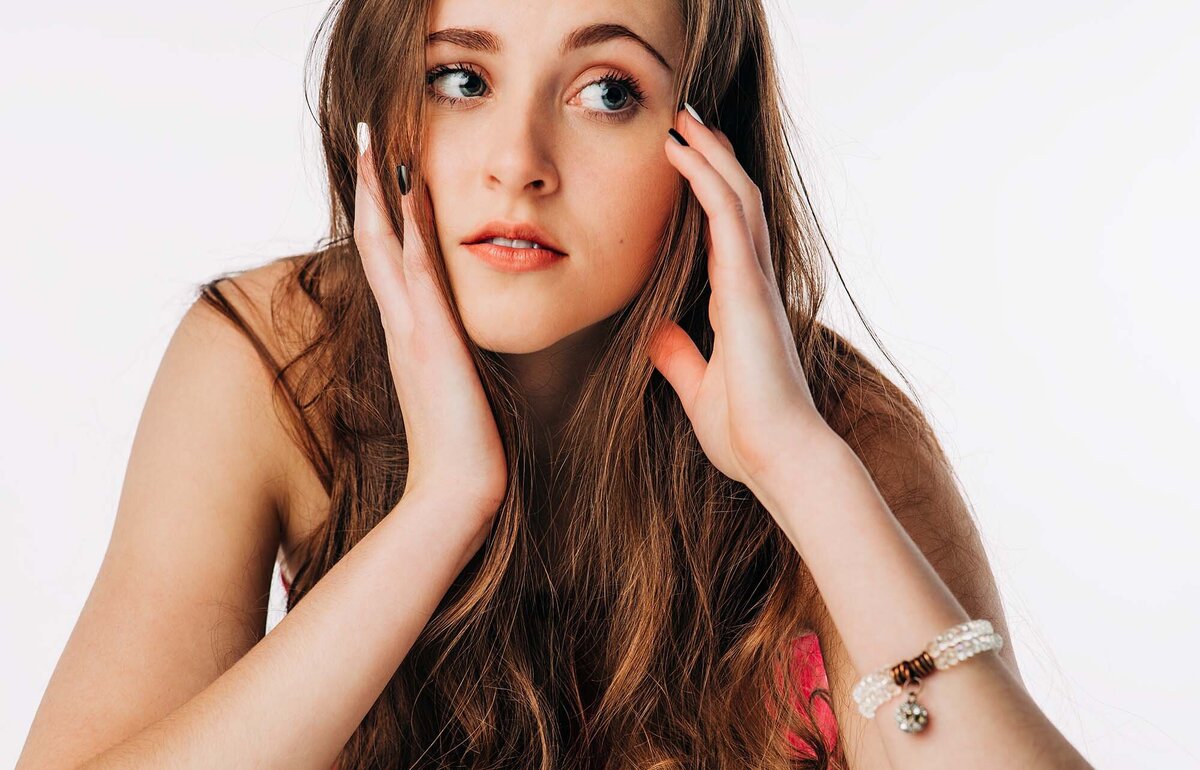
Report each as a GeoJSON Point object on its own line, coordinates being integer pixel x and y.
{"type": "Point", "coordinates": [514, 256]}
{"type": "Point", "coordinates": [518, 245]}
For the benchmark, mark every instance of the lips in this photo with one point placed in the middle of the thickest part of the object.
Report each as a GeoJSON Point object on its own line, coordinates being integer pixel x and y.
{"type": "Point", "coordinates": [516, 231]}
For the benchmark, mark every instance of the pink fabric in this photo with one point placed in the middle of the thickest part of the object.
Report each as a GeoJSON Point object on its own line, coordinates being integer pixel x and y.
{"type": "Point", "coordinates": [812, 677]}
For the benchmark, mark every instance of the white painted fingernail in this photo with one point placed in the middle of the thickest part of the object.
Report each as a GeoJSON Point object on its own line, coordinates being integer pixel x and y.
{"type": "Point", "coordinates": [689, 108]}
{"type": "Point", "coordinates": [364, 137]}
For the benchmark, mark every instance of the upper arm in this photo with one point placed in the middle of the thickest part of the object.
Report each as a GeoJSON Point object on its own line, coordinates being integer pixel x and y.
{"type": "Point", "coordinates": [921, 490]}
{"type": "Point", "coordinates": [183, 587]}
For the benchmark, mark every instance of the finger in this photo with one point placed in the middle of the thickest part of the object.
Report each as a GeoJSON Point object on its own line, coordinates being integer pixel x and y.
{"type": "Point", "coordinates": [748, 303]}
{"type": "Point", "coordinates": [717, 148]}
{"type": "Point", "coordinates": [420, 268]}
{"type": "Point", "coordinates": [376, 241]}
{"type": "Point", "coordinates": [724, 139]}
{"type": "Point", "coordinates": [676, 356]}
{"type": "Point", "coordinates": [732, 257]}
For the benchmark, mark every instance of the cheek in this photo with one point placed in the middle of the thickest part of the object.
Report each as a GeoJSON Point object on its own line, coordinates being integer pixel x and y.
{"type": "Point", "coordinates": [440, 174]}
{"type": "Point", "coordinates": [631, 208]}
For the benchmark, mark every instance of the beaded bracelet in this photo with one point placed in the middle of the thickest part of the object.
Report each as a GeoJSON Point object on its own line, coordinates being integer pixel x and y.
{"type": "Point", "coordinates": [947, 649]}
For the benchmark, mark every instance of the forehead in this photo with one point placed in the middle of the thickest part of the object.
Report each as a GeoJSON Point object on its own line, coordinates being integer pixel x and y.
{"type": "Point", "coordinates": [517, 22]}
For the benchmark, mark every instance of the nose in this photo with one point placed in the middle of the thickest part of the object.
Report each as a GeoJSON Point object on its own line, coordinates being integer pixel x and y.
{"type": "Point", "coordinates": [517, 158]}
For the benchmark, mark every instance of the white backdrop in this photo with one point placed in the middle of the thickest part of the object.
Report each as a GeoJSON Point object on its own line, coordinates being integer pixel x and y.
{"type": "Point", "coordinates": [1009, 188]}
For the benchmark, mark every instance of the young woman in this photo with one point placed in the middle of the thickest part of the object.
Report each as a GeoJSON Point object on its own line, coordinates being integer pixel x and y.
{"type": "Point", "coordinates": [617, 499]}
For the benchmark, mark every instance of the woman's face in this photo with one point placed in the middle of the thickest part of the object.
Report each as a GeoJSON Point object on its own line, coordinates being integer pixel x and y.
{"type": "Point", "coordinates": [527, 133]}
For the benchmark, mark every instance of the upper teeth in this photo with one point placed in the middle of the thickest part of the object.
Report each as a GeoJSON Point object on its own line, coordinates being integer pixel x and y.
{"type": "Point", "coordinates": [515, 244]}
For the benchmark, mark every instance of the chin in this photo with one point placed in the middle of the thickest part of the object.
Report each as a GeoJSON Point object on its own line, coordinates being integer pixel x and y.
{"type": "Point", "coordinates": [511, 337]}
{"type": "Point", "coordinates": [513, 345]}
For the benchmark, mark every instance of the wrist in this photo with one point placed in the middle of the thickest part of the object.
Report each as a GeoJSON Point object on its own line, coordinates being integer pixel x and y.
{"type": "Point", "coordinates": [453, 497]}
{"type": "Point", "coordinates": [449, 521]}
{"type": "Point", "coordinates": [457, 514]}
{"type": "Point", "coordinates": [807, 475]}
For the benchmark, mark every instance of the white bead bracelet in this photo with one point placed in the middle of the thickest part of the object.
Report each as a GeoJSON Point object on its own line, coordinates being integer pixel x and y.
{"type": "Point", "coordinates": [947, 649]}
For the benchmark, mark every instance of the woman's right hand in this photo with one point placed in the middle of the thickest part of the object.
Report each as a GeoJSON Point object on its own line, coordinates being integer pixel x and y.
{"type": "Point", "coordinates": [454, 446]}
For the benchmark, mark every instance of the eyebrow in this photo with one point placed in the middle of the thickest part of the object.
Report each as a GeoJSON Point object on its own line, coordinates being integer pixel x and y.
{"type": "Point", "coordinates": [592, 34]}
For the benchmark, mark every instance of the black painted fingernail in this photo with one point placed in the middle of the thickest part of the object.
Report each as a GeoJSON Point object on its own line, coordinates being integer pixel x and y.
{"type": "Point", "coordinates": [402, 177]}
{"type": "Point", "coordinates": [675, 135]}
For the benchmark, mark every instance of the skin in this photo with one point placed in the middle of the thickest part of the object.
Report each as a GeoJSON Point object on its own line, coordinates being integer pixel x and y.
{"type": "Point", "coordinates": [529, 137]}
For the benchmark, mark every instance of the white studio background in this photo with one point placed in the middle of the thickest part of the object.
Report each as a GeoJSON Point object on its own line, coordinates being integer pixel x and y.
{"type": "Point", "coordinates": [1008, 187]}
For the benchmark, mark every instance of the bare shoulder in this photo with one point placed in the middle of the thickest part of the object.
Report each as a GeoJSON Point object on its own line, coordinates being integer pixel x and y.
{"type": "Point", "coordinates": [275, 317]}
{"type": "Point", "coordinates": [181, 593]}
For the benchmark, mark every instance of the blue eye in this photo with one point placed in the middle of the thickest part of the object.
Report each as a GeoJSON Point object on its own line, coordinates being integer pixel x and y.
{"type": "Point", "coordinates": [465, 76]}
{"type": "Point", "coordinates": [617, 90]}
{"type": "Point", "coordinates": [626, 84]}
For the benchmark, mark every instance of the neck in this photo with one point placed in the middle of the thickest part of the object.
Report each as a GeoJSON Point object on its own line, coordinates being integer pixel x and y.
{"type": "Point", "coordinates": [552, 379]}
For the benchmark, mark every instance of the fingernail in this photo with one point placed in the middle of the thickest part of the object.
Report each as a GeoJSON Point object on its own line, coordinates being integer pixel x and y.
{"type": "Point", "coordinates": [675, 135]}
{"type": "Point", "coordinates": [692, 110]}
{"type": "Point", "coordinates": [402, 178]}
{"type": "Point", "coordinates": [364, 137]}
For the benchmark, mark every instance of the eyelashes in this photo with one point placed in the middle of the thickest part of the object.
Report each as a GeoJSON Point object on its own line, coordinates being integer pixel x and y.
{"type": "Point", "coordinates": [466, 72]}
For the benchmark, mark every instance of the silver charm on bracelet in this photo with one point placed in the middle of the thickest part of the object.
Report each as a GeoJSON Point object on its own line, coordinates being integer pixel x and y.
{"type": "Point", "coordinates": [911, 717]}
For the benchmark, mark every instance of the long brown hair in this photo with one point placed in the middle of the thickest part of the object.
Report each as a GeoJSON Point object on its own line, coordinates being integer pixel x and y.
{"type": "Point", "coordinates": [660, 633]}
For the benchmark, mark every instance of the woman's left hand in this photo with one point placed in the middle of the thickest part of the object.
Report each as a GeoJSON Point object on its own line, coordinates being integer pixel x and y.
{"type": "Point", "coordinates": [749, 404]}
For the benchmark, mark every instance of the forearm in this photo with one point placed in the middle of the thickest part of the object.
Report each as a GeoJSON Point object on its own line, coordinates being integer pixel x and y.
{"type": "Point", "coordinates": [298, 695]}
{"type": "Point", "coordinates": [887, 603]}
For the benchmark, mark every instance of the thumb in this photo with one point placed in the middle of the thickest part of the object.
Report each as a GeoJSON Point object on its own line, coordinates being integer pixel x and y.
{"type": "Point", "coordinates": [676, 356]}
